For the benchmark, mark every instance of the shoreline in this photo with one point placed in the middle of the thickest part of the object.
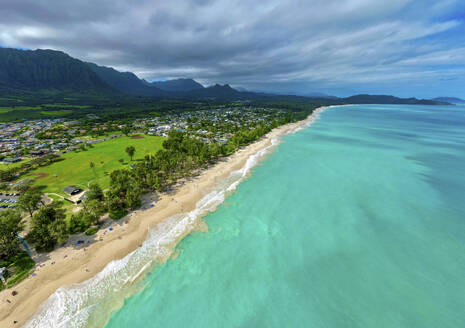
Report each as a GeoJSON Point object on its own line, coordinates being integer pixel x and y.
{"type": "Point", "coordinates": [75, 263]}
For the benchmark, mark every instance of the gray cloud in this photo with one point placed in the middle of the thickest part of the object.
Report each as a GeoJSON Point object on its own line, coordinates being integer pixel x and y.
{"type": "Point", "coordinates": [332, 45]}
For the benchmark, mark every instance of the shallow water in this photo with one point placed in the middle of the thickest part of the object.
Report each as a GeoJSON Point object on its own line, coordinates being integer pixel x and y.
{"type": "Point", "coordinates": [357, 221]}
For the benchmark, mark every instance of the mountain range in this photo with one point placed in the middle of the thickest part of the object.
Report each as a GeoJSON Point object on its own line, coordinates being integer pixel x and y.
{"type": "Point", "coordinates": [38, 72]}
{"type": "Point", "coordinates": [177, 85]}
{"type": "Point", "coordinates": [53, 71]}
{"type": "Point", "coordinates": [451, 100]}
{"type": "Point", "coordinates": [41, 70]}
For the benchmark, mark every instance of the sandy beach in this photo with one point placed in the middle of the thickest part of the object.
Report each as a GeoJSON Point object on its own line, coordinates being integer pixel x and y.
{"type": "Point", "coordinates": [77, 262]}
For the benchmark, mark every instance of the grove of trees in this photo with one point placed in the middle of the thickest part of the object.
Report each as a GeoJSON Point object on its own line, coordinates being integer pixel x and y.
{"type": "Point", "coordinates": [11, 224]}
{"type": "Point", "coordinates": [182, 156]}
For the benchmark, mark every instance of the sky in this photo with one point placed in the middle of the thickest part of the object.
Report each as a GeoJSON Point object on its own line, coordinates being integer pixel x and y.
{"type": "Point", "coordinates": [338, 47]}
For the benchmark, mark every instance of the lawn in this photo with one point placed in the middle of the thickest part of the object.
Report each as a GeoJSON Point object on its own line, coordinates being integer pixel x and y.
{"type": "Point", "coordinates": [96, 137]}
{"type": "Point", "coordinates": [19, 113]}
{"type": "Point", "coordinates": [65, 106]}
{"type": "Point", "coordinates": [75, 168]}
{"type": "Point", "coordinates": [11, 99]}
{"type": "Point", "coordinates": [63, 112]}
{"type": "Point", "coordinates": [12, 165]}
{"type": "Point", "coordinates": [9, 109]}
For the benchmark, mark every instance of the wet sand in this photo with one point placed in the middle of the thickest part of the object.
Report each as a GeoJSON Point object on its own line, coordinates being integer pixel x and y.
{"type": "Point", "coordinates": [76, 262]}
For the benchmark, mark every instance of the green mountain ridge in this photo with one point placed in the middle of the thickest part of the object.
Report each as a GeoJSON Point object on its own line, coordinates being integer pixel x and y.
{"type": "Point", "coordinates": [41, 73]}
{"type": "Point", "coordinates": [47, 70]}
{"type": "Point", "coordinates": [125, 82]}
{"type": "Point", "coordinates": [177, 85]}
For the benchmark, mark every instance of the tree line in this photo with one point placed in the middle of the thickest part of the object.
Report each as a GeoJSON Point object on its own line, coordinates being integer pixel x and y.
{"type": "Point", "coordinates": [182, 156]}
{"type": "Point", "coordinates": [11, 173]}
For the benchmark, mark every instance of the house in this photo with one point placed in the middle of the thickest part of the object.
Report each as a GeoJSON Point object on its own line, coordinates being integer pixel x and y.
{"type": "Point", "coordinates": [72, 190]}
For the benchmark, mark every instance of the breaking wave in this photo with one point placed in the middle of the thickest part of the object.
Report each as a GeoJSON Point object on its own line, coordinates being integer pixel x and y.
{"type": "Point", "coordinates": [89, 304]}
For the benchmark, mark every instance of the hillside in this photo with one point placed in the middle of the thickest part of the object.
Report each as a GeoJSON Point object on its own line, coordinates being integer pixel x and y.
{"type": "Point", "coordinates": [217, 91]}
{"type": "Point", "coordinates": [46, 70]}
{"type": "Point", "coordinates": [177, 85]}
{"type": "Point", "coordinates": [38, 74]}
{"type": "Point", "coordinates": [386, 99]}
{"type": "Point", "coordinates": [125, 82]}
{"type": "Point", "coordinates": [452, 100]}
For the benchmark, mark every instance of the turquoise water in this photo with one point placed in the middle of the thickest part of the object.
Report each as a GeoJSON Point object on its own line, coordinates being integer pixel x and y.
{"type": "Point", "coordinates": [357, 221]}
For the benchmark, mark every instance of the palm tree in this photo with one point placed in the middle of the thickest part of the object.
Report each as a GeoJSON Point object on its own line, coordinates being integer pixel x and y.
{"type": "Point", "coordinates": [130, 150]}
{"type": "Point", "coordinates": [92, 166]}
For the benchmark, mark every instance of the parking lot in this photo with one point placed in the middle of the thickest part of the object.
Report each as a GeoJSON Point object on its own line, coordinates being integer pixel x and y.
{"type": "Point", "coordinates": [8, 200]}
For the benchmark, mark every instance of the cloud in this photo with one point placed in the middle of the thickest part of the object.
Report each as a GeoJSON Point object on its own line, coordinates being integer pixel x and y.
{"type": "Point", "coordinates": [257, 44]}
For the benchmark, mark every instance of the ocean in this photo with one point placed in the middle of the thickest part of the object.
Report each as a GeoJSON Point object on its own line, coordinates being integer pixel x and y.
{"type": "Point", "coordinates": [355, 221]}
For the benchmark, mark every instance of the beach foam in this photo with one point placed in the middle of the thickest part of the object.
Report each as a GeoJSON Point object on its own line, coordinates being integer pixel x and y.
{"type": "Point", "coordinates": [352, 222]}
{"type": "Point", "coordinates": [89, 304]}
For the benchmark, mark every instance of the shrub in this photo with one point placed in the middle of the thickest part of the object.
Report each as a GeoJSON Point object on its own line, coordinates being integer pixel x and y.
{"type": "Point", "coordinates": [91, 231]}
{"type": "Point", "coordinates": [20, 276]}
{"type": "Point", "coordinates": [77, 223]}
{"type": "Point", "coordinates": [48, 227]}
{"type": "Point", "coordinates": [118, 214]}
{"type": "Point", "coordinates": [23, 265]}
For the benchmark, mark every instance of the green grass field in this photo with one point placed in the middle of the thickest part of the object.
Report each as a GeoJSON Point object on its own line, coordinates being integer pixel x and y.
{"type": "Point", "coordinates": [12, 165]}
{"type": "Point", "coordinates": [65, 106]}
{"type": "Point", "coordinates": [105, 135]}
{"type": "Point", "coordinates": [10, 99]}
{"type": "Point", "coordinates": [75, 169]}
{"type": "Point", "coordinates": [8, 109]}
{"type": "Point", "coordinates": [60, 113]}
{"type": "Point", "coordinates": [19, 113]}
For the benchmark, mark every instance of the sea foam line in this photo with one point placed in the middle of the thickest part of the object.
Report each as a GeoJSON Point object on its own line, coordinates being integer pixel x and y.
{"type": "Point", "coordinates": [88, 304]}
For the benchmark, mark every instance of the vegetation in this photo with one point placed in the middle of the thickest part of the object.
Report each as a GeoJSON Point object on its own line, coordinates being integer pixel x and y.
{"type": "Point", "coordinates": [74, 167]}
{"type": "Point", "coordinates": [30, 200]}
{"type": "Point", "coordinates": [81, 221]}
{"type": "Point", "coordinates": [18, 267]}
{"type": "Point", "coordinates": [57, 113]}
{"type": "Point", "coordinates": [91, 231]}
{"type": "Point", "coordinates": [99, 102]}
{"type": "Point", "coordinates": [13, 171]}
{"type": "Point", "coordinates": [11, 224]}
{"type": "Point", "coordinates": [48, 227]}
{"type": "Point", "coordinates": [95, 192]}
{"type": "Point", "coordinates": [53, 70]}
{"type": "Point", "coordinates": [130, 150]}
{"type": "Point", "coordinates": [180, 157]}
{"type": "Point", "coordinates": [17, 262]}
{"type": "Point", "coordinates": [113, 186]}
{"type": "Point", "coordinates": [126, 130]}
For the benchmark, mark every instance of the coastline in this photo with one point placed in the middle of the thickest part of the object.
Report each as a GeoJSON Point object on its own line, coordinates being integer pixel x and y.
{"type": "Point", "coordinates": [74, 264]}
